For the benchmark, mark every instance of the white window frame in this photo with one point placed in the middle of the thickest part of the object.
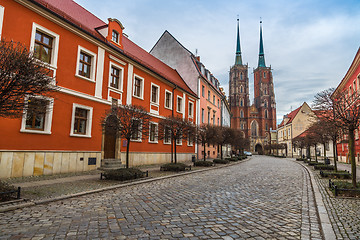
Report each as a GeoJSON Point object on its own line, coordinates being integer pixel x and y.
{"type": "Point", "coordinates": [190, 144]}
{"type": "Point", "coordinates": [48, 118]}
{"type": "Point", "coordinates": [164, 141]}
{"type": "Point", "coordinates": [93, 64]}
{"type": "Point", "coordinates": [191, 113]}
{"type": "Point", "coordinates": [171, 100]}
{"type": "Point", "coordinates": [141, 88]}
{"type": "Point", "coordinates": [179, 139]}
{"type": "Point", "coordinates": [177, 104]}
{"type": "Point", "coordinates": [121, 80]}
{"type": "Point", "coordinates": [140, 134]}
{"type": "Point", "coordinates": [55, 43]}
{"type": "Point", "coordinates": [157, 95]}
{"type": "Point", "coordinates": [88, 124]}
{"type": "Point", "coordinates": [2, 11]}
{"type": "Point", "coordinates": [118, 34]}
{"type": "Point", "coordinates": [156, 130]}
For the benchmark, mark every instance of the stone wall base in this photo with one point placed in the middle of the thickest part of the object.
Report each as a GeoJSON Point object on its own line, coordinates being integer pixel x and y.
{"type": "Point", "coordinates": [145, 158]}
{"type": "Point", "coordinates": [35, 163]}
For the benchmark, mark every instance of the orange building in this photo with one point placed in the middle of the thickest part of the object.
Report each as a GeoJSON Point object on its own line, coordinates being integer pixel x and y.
{"type": "Point", "coordinates": [95, 65]}
{"type": "Point", "coordinates": [349, 85]}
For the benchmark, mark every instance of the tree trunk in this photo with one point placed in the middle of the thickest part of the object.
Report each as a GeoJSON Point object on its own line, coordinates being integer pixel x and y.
{"type": "Point", "coordinates": [204, 151]}
{"type": "Point", "coordinates": [221, 152]}
{"type": "Point", "coordinates": [324, 150]}
{"type": "Point", "coordinates": [352, 156]}
{"type": "Point", "coordinates": [175, 159]}
{"type": "Point", "coordinates": [172, 144]}
{"type": "Point", "coordinates": [127, 152]}
{"type": "Point", "coordinates": [335, 153]}
{"type": "Point", "coordinates": [315, 154]}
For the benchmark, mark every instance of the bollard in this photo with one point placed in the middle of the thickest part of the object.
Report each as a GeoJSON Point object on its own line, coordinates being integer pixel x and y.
{"type": "Point", "coordinates": [18, 192]}
{"type": "Point", "coordinates": [336, 190]}
{"type": "Point", "coordinates": [147, 173]}
{"type": "Point", "coordinates": [101, 176]}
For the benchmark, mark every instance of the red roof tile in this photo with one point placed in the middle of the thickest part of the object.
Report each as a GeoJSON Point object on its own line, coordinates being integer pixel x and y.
{"type": "Point", "coordinates": [291, 116]}
{"type": "Point", "coordinates": [76, 14]}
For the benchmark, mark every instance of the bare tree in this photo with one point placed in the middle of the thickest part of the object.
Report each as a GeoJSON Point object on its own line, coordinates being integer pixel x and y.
{"type": "Point", "coordinates": [176, 129]}
{"type": "Point", "coordinates": [207, 134]}
{"type": "Point", "coordinates": [324, 104]}
{"type": "Point", "coordinates": [226, 135]}
{"type": "Point", "coordinates": [299, 142]}
{"type": "Point", "coordinates": [21, 76]}
{"type": "Point", "coordinates": [130, 122]}
{"type": "Point", "coordinates": [239, 142]}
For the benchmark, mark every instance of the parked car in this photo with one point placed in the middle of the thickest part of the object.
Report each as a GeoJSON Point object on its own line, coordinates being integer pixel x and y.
{"type": "Point", "coordinates": [247, 153]}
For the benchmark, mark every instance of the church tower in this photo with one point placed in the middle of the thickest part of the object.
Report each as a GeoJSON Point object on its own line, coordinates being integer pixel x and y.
{"type": "Point", "coordinates": [264, 96]}
{"type": "Point", "coordinates": [239, 90]}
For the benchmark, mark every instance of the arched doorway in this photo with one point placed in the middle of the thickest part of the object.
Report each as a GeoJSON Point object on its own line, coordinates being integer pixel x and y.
{"type": "Point", "coordinates": [110, 137]}
{"type": "Point", "coordinates": [259, 149]}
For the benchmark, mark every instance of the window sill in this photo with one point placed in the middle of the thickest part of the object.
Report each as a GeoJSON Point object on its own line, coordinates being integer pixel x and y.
{"type": "Point", "coordinates": [85, 78]}
{"type": "Point", "coordinates": [141, 98]}
{"type": "Point", "coordinates": [169, 108]}
{"type": "Point", "coordinates": [35, 131]}
{"type": "Point", "coordinates": [154, 142]}
{"type": "Point", "coordinates": [115, 90]}
{"type": "Point", "coordinates": [167, 143]}
{"type": "Point", "coordinates": [134, 140]}
{"type": "Point", "coordinates": [51, 66]}
{"type": "Point", "coordinates": [80, 135]}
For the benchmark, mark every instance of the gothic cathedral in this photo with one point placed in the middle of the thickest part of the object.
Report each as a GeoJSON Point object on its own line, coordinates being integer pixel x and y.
{"type": "Point", "coordinates": [257, 119]}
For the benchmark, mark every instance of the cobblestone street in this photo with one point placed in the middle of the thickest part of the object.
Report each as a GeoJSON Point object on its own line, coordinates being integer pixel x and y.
{"type": "Point", "coordinates": [262, 198]}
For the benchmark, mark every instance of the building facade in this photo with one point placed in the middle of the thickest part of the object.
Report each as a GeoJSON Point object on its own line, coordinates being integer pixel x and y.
{"type": "Point", "coordinates": [349, 85]}
{"type": "Point", "coordinates": [198, 78]}
{"type": "Point", "coordinates": [257, 119]}
{"type": "Point", "coordinates": [94, 65]}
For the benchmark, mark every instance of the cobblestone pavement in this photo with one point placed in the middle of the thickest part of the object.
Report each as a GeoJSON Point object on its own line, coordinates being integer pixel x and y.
{"type": "Point", "coordinates": [262, 198]}
{"type": "Point", "coordinates": [344, 213]}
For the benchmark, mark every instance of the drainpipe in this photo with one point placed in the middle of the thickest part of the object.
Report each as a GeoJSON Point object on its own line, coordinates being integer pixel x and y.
{"type": "Point", "coordinates": [172, 114]}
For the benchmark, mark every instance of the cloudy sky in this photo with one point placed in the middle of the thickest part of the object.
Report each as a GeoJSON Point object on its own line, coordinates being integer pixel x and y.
{"type": "Point", "coordinates": [309, 44]}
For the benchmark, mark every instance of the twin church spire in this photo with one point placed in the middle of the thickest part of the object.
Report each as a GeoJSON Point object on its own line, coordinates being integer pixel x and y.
{"type": "Point", "coordinates": [238, 58]}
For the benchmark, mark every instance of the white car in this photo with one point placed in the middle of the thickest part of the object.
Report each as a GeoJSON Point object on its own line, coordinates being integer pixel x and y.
{"type": "Point", "coordinates": [247, 153]}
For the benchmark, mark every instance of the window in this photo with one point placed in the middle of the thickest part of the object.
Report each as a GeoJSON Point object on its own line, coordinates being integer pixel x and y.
{"type": "Point", "coordinates": [209, 116]}
{"type": "Point", "coordinates": [218, 103]}
{"type": "Point", "coordinates": [209, 95]}
{"type": "Point", "coordinates": [44, 45]}
{"type": "Point", "coordinates": [138, 87]}
{"type": "Point", "coordinates": [38, 115]}
{"type": "Point", "coordinates": [241, 89]}
{"type": "Point", "coordinates": [115, 36]}
{"type": "Point", "coordinates": [266, 113]}
{"type": "Point", "coordinates": [218, 121]}
{"type": "Point", "coordinates": [214, 99]}
{"type": "Point", "coordinates": [168, 99]}
{"type": "Point", "coordinates": [266, 126]}
{"type": "Point", "coordinates": [167, 137]}
{"type": "Point", "coordinates": [202, 115]}
{"type": "Point", "coordinates": [241, 113]}
{"type": "Point", "coordinates": [203, 91]}
{"type": "Point", "coordinates": [136, 130]}
{"type": "Point", "coordinates": [191, 109]}
{"type": "Point", "coordinates": [179, 104]}
{"type": "Point", "coordinates": [264, 74]}
{"type": "Point", "coordinates": [81, 121]}
{"type": "Point", "coordinates": [241, 102]}
{"type": "Point", "coordinates": [85, 64]}
{"type": "Point", "coordinates": [265, 103]}
{"type": "Point", "coordinates": [190, 139]}
{"type": "Point", "coordinates": [154, 94]}
{"type": "Point", "coordinates": [213, 118]}
{"type": "Point", "coordinates": [241, 76]}
{"type": "Point", "coordinates": [153, 133]}
{"type": "Point", "coordinates": [116, 76]}
{"type": "Point", "coordinates": [179, 141]}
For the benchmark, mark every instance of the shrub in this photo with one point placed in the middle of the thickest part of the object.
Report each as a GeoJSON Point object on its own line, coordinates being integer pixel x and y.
{"type": "Point", "coordinates": [220, 161]}
{"type": "Point", "coordinates": [227, 159]}
{"type": "Point", "coordinates": [203, 163]}
{"type": "Point", "coordinates": [314, 163]}
{"type": "Point", "coordinates": [173, 167]}
{"type": "Point", "coordinates": [324, 167]}
{"type": "Point", "coordinates": [4, 187]}
{"type": "Point", "coordinates": [123, 174]}
{"type": "Point", "coordinates": [338, 174]}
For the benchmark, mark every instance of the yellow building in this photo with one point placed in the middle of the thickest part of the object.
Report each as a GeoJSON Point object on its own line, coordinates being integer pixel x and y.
{"type": "Point", "coordinates": [293, 125]}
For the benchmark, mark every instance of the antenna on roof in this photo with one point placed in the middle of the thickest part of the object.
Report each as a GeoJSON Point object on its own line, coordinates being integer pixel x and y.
{"type": "Point", "coordinates": [196, 52]}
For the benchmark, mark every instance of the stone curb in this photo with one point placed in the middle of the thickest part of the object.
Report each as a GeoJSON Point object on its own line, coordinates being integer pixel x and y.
{"type": "Point", "coordinates": [326, 226]}
{"type": "Point", "coordinates": [45, 201]}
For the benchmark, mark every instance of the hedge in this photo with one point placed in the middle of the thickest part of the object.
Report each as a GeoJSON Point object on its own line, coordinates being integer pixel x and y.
{"type": "Point", "coordinates": [123, 174]}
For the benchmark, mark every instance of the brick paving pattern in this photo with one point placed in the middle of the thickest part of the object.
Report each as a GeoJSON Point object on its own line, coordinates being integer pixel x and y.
{"type": "Point", "coordinates": [259, 199]}
{"type": "Point", "coordinates": [344, 213]}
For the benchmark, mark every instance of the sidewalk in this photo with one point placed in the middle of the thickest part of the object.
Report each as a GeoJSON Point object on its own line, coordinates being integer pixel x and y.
{"type": "Point", "coordinates": [347, 166]}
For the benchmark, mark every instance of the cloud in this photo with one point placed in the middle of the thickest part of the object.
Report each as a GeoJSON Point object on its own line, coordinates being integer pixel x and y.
{"type": "Point", "coordinates": [309, 44]}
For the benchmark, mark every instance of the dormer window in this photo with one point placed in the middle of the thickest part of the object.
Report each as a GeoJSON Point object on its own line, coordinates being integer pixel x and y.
{"type": "Point", "coordinates": [115, 36]}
